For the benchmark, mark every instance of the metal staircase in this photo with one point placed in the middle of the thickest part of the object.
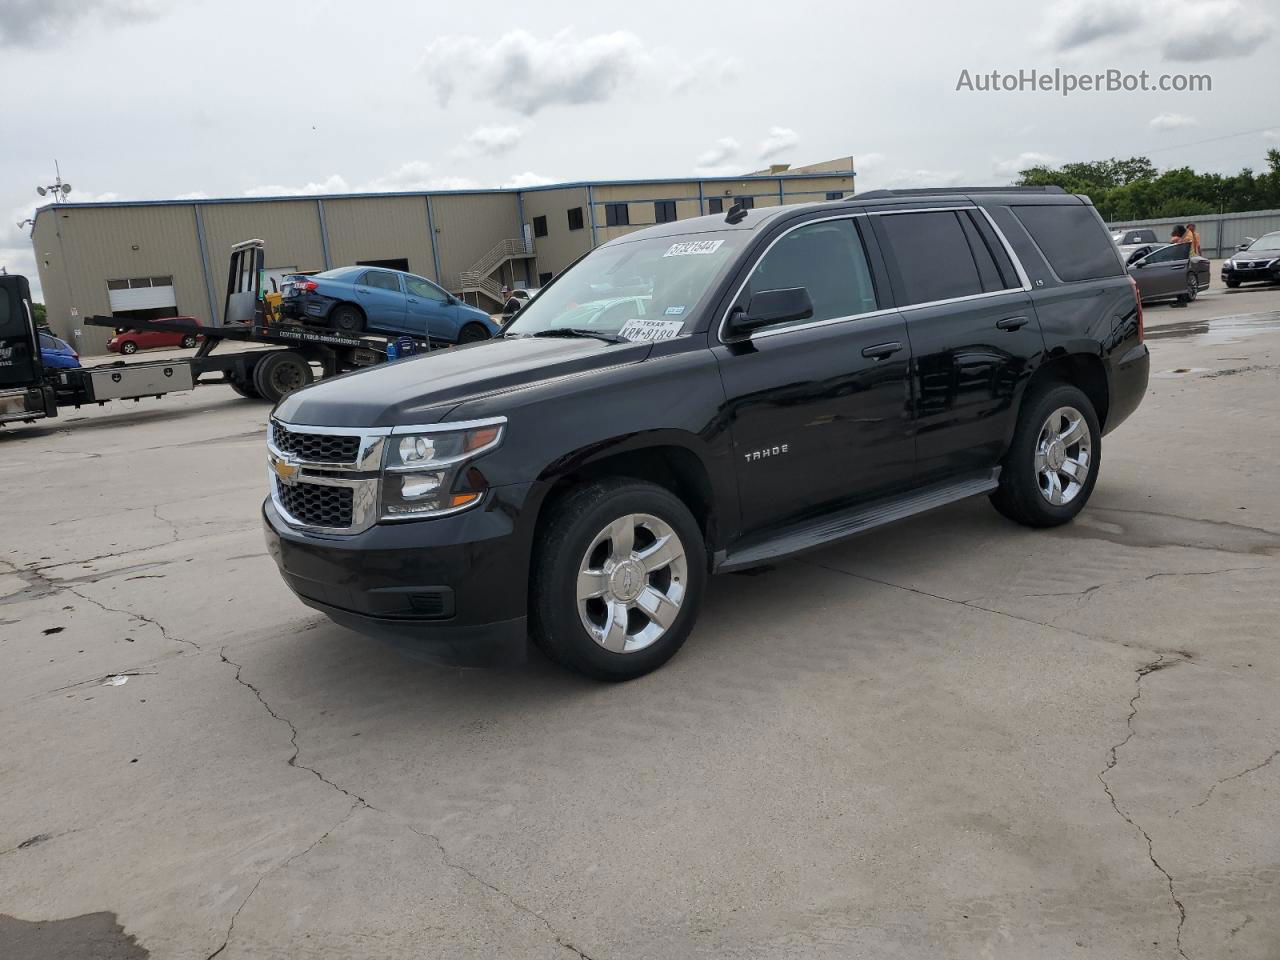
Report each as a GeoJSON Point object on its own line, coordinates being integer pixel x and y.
{"type": "Point", "coordinates": [479, 279]}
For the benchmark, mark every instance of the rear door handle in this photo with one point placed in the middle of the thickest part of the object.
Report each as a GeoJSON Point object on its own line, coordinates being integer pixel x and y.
{"type": "Point", "coordinates": [1012, 323]}
{"type": "Point", "coordinates": [881, 350]}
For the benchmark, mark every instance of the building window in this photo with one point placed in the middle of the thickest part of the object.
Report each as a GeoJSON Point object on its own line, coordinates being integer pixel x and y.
{"type": "Point", "coordinates": [575, 218]}
{"type": "Point", "coordinates": [539, 226]}
{"type": "Point", "coordinates": [616, 215]}
{"type": "Point", "coordinates": [139, 283]}
{"type": "Point", "coordinates": [715, 205]}
{"type": "Point", "coordinates": [746, 203]}
{"type": "Point", "coordinates": [664, 211]}
{"type": "Point", "coordinates": [544, 279]}
{"type": "Point", "coordinates": [834, 194]}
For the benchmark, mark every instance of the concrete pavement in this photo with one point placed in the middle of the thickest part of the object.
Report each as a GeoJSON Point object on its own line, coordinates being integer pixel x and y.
{"type": "Point", "coordinates": [952, 738]}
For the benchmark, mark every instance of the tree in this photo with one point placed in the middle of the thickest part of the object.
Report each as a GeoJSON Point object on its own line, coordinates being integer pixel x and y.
{"type": "Point", "coordinates": [40, 316]}
{"type": "Point", "coordinates": [1133, 189]}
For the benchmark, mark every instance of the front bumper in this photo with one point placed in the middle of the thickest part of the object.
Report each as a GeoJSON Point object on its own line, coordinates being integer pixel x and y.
{"type": "Point", "coordinates": [1251, 274]}
{"type": "Point", "coordinates": [452, 589]}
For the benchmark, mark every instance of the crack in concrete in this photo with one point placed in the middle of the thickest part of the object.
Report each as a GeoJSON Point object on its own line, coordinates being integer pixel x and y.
{"type": "Point", "coordinates": [522, 908]}
{"type": "Point", "coordinates": [173, 527]}
{"type": "Point", "coordinates": [1237, 776]}
{"type": "Point", "coordinates": [284, 864]}
{"type": "Point", "coordinates": [164, 632]}
{"type": "Point", "coordinates": [293, 731]}
{"type": "Point", "coordinates": [1093, 588]}
{"type": "Point", "coordinates": [1112, 760]}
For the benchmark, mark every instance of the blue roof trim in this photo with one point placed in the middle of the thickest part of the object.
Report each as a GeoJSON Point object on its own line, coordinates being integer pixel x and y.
{"type": "Point", "coordinates": [311, 197]}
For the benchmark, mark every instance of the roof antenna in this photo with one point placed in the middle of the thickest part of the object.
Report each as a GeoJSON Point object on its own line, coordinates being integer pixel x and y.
{"type": "Point", "coordinates": [737, 213]}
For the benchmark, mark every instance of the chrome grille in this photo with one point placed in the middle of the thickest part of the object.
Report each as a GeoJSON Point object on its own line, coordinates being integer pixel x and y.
{"type": "Point", "coordinates": [316, 505]}
{"type": "Point", "coordinates": [316, 447]}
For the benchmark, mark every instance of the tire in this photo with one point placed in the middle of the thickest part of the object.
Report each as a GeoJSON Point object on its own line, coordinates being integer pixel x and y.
{"type": "Point", "coordinates": [189, 341]}
{"type": "Point", "coordinates": [278, 374]}
{"type": "Point", "coordinates": [1232, 283]}
{"type": "Point", "coordinates": [346, 317]}
{"type": "Point", "coordinates": [1022, 495]}
{"type": "Point", "coordinates": [128, 348]}
{"type": "Point", "coordinates": [575, 536]}
{"type": "Point", "coordinates": [473, 333]}
{"type": "Point", "coordinates": [1193, 290]}
{"type": "Point", "coordinates": [246, 389]}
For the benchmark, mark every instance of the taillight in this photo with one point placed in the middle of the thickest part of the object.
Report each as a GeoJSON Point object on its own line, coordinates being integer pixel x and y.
{"type": "Point", "coordinates": [308, 285]}
{"type": "Point", "coordinates": [1137, 299]}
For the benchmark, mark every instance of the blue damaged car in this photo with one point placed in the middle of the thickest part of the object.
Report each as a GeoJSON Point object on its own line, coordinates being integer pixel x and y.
{"type": "Point", "coordinates": [377, 300]}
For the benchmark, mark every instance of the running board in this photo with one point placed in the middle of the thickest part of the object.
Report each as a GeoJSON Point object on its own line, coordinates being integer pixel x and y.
{"type": "Point", "coordinates": [867, 516]}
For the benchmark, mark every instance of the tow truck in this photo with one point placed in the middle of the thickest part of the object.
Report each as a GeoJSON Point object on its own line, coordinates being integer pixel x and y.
{"type": "Point", "coordinates": [277, 357]}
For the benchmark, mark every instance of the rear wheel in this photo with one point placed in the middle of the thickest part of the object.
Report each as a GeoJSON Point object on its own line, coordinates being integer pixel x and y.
{"type": "Point", "coordinates": [347, 318]}
{"type": "Point", "coordinates": [189, 341]}
{"type": "Point", "coordinates": [619, 571]}
{"type": "Point", "coordinates": [279, 374]}
{"type": "Point", "coordinates": [473, 333]}
{"type": "Point", "coordinates": [128, 347]}
{"type": "Point", "coordinates": [1193, 289]}
{"type": "Point", "coordinates": [1052, 465]}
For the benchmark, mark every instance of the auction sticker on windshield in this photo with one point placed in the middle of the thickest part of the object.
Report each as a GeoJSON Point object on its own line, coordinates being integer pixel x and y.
{"type": "Point", "coordinates": [690, 248]}
{"type": "Point", "coordinates": [649, 331]}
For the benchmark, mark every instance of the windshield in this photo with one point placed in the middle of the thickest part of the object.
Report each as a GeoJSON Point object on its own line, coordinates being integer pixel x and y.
{"type": "Point", "coordinates": [642, 290]}
{"type": "Point", "coordinates": [1270, 242]}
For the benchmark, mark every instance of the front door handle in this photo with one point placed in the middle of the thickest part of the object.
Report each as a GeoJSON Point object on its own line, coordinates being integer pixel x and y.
{"type": "Point", "coordinates": [881, 350]}
{"type": "Point", "coordinates": [1012, 323]}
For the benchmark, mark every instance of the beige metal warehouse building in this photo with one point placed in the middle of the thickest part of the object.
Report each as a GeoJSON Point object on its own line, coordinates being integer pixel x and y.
{"type": "Point", "coordinates": [167, 257]}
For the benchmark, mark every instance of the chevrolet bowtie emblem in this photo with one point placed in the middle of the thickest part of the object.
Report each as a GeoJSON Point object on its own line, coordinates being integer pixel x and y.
{"type": "Point", "coordinates": [287, 472]}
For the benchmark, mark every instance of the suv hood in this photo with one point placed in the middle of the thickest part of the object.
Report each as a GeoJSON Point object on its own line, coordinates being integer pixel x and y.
{"type": "Point", "coordinates": [424, 389]}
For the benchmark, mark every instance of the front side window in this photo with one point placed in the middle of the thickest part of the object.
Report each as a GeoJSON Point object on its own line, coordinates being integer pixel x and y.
{"type": "Point", "coordinates": [381, 280]}
{"type": "Point", "coordinates": [827, 259]}
{"type": "Point", "coordinates": [931, 255]}
{"type": "Point", "coordinates": [616, 215]}
{"type": "Point", "coordinates": [1174, 251]}
{"type": "Point", "coordinates": [417, 287]}
{"type": "Point", "coordinates": [658, 279]}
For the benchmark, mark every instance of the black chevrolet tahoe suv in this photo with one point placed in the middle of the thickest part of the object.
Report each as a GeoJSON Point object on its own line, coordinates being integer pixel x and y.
{"type": "Point", "coordinates": [705, 396]}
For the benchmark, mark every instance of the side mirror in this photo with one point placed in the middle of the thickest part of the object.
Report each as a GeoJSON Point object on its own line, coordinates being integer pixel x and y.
{"type": "Point", "coordinates": [1245, 244]}
{"type": "Point", "coordinates": [769, 307]}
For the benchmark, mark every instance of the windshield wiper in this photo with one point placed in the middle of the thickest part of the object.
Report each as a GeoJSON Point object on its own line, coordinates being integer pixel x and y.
{"type": "Point", "coordinates": [580, 332]}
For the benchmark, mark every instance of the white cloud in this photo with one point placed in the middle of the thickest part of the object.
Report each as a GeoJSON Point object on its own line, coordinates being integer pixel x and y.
{"type": "Point", "coordinates": [720, 151]}
{"type": "Point", "coordinates": [525, 72]}
{"type": "Point", "coordinates": [490, 141]}
{"type": "Point", "coordinates": [31, 23]}
{"type": "Point", "coordinates": [1171, 121]}
{"type": "Point", "coordinates": [1271, 134]}
{"type": "Point", "coordinates": [1071, 24]}
{"type": "Point", "coordinates": [334, 183]}
{"type": "Point", "coordinates": [906, 179]}
{"type": "Point", "coordinates": [1181, 31]}
{"type": "Point", "coordinates": [414, 175]}
{"type": "Point", "coordinates": [710, 69]}
{"type": "Point", "coordinates": [527, 179]}
{"type": "Point", "coordinates": [1213, 30]}
{"type": "Point", "coordinates": [779, 139]}
{"type": "Point", "coordinates": [1013, 166]}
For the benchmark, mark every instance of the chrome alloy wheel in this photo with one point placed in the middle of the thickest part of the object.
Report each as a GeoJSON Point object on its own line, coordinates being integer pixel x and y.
{"type": "Point", "coordinates": [631, 583]}
{"type": "Point", "coordinates": [1064, 456]}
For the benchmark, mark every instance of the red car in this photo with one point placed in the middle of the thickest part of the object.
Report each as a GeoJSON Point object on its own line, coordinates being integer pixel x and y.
{"type": "Point", "coordinates": [131, 341]}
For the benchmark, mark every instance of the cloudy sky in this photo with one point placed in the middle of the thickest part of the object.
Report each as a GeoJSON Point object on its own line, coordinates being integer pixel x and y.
{"type": "Point", "coordinates": [173, 98]}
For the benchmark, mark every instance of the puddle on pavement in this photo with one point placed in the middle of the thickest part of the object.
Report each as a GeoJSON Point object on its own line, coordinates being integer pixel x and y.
{"type": "Point", "coordinates": [93, 936]}
{"type": "Point", "coordinates": [1231, 329]}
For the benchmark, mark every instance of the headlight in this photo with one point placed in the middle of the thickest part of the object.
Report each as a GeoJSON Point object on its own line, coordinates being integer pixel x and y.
{"type": "Point", "coordinates": [423, 474]}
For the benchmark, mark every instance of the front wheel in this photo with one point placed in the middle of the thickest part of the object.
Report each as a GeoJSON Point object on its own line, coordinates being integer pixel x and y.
{"type": "Point", "coordinates": [1052, 464]}
{"type": "Point", "coordinates": [1193, 290]}
{"type": "Point", "coordinates": [473, 333]}
{"type": "Point", "coordinates": [1232, 283]}
{"type": "Point", "coordinates": [189, 341]}
{"type": "Point", "coordinates": [619, 571]}
{"type": "Point", "coordinates": [128, 347]}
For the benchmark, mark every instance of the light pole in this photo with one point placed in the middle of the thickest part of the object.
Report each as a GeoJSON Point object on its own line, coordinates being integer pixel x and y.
{"type": "Point", "coordinates": [58, 189]}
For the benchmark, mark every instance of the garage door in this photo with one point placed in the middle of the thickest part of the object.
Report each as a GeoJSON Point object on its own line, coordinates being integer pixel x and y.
{"type": "Point", "coordinates": [141, 293]}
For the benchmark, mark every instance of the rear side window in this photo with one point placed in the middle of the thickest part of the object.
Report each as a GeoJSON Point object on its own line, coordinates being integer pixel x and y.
{"type": "Point", "coordinates": [932, 255]}
{"type": "Point", "coordinates": [828, 260]}
{"type": "Point", "coordinates": [384, 281]}
{"type": "Point", "coordinates": [1171, 253]}
{"type": "Point", "coordinates": [1072, 239]}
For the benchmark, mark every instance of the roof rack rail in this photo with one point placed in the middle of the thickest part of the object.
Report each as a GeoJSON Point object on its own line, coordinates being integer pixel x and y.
{"type": "Point", "coordinates": [941, 191]}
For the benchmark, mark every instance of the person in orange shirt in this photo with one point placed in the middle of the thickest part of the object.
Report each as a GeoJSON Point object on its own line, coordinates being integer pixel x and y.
{"type": "Point", "coordinates": [1192, 236]}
